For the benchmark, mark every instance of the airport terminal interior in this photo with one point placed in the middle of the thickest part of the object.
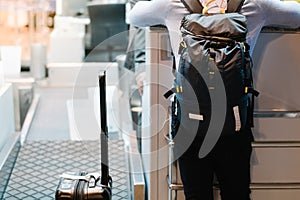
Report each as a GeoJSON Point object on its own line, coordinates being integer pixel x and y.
{"type": "Point", "coordinates": [51, 55]}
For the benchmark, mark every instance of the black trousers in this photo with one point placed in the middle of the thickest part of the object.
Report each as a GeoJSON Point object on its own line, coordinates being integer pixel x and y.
{"type": "Point", "coordinates": [229, 160]}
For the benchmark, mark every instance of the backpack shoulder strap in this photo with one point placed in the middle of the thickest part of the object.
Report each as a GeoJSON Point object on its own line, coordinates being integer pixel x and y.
{"type": "Point", "coordinates": [194, 6]}
{"type": "Point", "coordinates": [234, 5]}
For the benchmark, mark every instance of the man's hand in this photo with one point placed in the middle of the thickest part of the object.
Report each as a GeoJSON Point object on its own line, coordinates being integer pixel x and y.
{"type": "Point", "coordinates": [140, 81]}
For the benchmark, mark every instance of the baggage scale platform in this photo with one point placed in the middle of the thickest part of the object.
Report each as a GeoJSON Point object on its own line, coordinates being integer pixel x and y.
{"type": "Point", "coordinates": [32, 170]}
{"type": "Point", "coordinates": [40, 163]}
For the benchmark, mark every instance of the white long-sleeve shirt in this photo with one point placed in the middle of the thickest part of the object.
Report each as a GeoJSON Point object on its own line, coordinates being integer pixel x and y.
{"type": "Point", "coordinates": [259, 13]}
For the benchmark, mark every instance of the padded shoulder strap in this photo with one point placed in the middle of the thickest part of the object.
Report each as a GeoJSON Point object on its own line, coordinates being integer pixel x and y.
{"type": "Point", "coordinates": [194, 6]}
{"type": "Point", "coordinates": [234, 5]}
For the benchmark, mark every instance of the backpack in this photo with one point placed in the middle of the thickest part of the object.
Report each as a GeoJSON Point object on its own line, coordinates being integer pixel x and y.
{"type": "Point", "coordinates": [214, 77]}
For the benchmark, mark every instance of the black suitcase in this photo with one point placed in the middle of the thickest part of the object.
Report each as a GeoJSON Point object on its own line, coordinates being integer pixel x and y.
{"type": "Point", "coordinates": [83, 185]}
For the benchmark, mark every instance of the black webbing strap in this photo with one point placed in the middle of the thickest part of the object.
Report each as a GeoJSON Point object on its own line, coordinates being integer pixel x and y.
{"type": "Point", "coordinates": [169, 93]}
{"type": "Point", "coordinates": [250, 112]}
{"type": "Point", "coordinates": [194, 6]}
{"type": "Point", "coordinates": [234, 5]}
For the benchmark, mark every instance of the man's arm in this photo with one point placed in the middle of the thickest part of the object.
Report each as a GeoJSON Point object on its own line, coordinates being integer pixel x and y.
{"type": "Point", "coordinates": [148, 13]}
{"type": "Point", "coordinates": [281, 13]}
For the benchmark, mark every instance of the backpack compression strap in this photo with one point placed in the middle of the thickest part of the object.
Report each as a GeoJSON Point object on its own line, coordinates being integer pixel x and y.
{"type": "Point", "coordinates": [194, 6]}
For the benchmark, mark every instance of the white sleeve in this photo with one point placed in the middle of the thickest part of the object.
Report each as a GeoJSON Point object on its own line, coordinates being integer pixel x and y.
{"type": "Point", "coordinates": [148, 13]}
{"type": "Point", "coordinates": [281, 13]}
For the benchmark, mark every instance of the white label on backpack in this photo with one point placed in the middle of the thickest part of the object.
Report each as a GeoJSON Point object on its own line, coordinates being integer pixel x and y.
{"type": "Point", "coordinates": [237, 118]}
{"type": "Point", "coordinates": [196, 117]}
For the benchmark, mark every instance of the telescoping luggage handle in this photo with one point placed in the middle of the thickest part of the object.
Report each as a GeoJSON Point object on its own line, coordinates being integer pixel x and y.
{"type": "Point", "coordinates": [104, 131]}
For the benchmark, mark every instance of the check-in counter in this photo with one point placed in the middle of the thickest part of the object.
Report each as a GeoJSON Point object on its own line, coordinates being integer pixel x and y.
{"type": "Point", "coordinates": [155, 112]}
{"type": "Point", "coordinates": [23, 93]}
{"type": "Point", "coordinates": [6, 114]}
{"type": "Point", "coordinates": [276, 163]}
{"type": "Point", "coordinates": [9, 138]}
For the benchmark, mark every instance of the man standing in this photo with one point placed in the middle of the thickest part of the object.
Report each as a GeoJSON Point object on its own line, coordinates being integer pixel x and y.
{"type": "Point", "coordinates": [230, 157]}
